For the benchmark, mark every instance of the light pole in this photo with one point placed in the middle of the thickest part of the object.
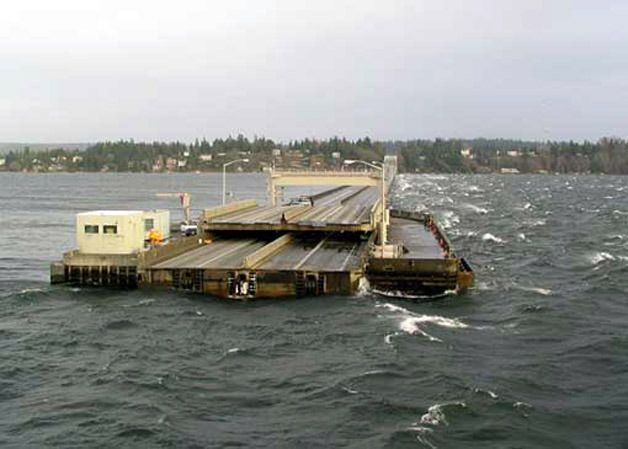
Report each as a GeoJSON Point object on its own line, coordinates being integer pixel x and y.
{"type": "Point", "coordinates": [383, 237]}
{"type": "Point", "coordinates": [224, 178]}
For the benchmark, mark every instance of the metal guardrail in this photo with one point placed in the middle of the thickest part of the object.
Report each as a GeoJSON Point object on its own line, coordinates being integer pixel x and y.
{"type": "Point", "coordinates": [218, 211]}
{"type": "Point", "coordinates": [370, 173]}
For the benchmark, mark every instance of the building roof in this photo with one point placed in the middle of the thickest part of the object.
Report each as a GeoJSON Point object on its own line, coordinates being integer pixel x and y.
{"type": "Point", "coordinates": [110, 213]}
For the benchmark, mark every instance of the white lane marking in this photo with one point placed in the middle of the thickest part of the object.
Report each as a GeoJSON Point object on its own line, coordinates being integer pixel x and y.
{"type": "Point", "coordinates": [344, 264]}
{"type": "Point", "coordinates": [181, 260]}
{"type": "Point", "coordinates": [329, 213]}
{"type": "Point", "coordinates": [226, 253]}
{"type": "Point", "coordinates": [310, 254]}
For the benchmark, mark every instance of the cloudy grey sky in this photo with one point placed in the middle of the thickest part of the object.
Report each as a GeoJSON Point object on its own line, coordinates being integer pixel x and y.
{"type": "Point", "coordinates": [79, 70]}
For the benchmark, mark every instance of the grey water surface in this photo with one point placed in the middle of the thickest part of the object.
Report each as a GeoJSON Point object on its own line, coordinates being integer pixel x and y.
{"type": "Point", "coordinates": [536, 356]}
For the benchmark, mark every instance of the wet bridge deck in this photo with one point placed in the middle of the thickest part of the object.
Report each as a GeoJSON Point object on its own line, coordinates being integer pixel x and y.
{"type": "Point", "coordinates": [322, 253]}
{"type": "Point", "coordinates": [345, 208]}
{"type": "Point", "coordinates": [419, 242]}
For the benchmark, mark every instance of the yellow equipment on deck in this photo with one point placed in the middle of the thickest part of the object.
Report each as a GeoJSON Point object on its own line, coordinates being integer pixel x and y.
{"type": "Point", "coordinates": [155, 237]}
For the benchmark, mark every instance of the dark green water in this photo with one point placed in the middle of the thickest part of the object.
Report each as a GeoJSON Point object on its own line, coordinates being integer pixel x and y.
{"type": "Point", "coordinates": [535, 356]}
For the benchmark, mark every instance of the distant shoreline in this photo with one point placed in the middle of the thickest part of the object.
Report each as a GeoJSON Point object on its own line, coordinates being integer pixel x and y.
{"type": "Point", "coordinates": [502, 156]}
{"type": "Point", "coordinates": [251, 172]}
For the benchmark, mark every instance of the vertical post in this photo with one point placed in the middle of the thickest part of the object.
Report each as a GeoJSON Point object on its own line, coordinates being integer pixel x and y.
{"type": "Point", "coordinates": [224, 184]}
{"type": "Point", "coordinates": [185, 203]}
{"type": "Point", "coordinates": [383, 236]}
{"type": "Point", "coordinates": [272, 193]}
{"type": "Point", "coordinates": [273, 187]}
{"type": "Point", "coordinates": [224, 178]}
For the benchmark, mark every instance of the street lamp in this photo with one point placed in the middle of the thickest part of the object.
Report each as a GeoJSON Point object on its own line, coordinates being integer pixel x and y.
{"type": "Point", "coordinates": [224, 178]}
{"type": "Point", "coordinates": [383, 237]}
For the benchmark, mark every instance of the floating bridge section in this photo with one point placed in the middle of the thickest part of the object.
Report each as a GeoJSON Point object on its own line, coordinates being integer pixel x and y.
{"type": "Point", "coordinates": [246, 250]}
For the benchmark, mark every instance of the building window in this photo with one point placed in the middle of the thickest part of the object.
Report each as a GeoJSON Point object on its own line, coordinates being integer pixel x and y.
{"type": "Point", "coordinates": [110, 229]}
{"type": "Point", "coordinates": [149, 223]}
{"type": "Point", "coordinates": [91, 229]}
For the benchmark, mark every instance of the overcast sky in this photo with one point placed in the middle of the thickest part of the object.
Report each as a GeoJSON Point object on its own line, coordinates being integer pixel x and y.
{"type": "Point", "coordinates": [87, 70]}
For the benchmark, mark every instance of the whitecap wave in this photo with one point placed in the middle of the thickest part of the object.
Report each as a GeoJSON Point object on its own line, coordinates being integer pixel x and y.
{"type": "Point", "coordinates": [435, 177]}
{"type": "Point", "coordinates": [489, 393]}
{"type": "Point", "coordinates": [403, 295]}
{"type": "Point", "coordinates": [477, 209]}
{"type": "Point", "coordinates": [539, 290]}
{"type": "Point", "coordinates": [436, 415]}
{"type": "Point", "coordinates": [520, 404]}
{"type": "Point", "coordinates": [403, 184]}
{"type": "Point", "coordinates": [349, 390]}
{"type": "Point", "coordinates": [422, 432]}
{"type": "Point", "coordinates": [536, 223]}
{"type": "Point", "coordinates": [411, 327]}
{"type": "Point", "coordinates": [140, 303]}
{"type": "Point", "coordinates": [449, 219]}
{"type": "Point", "coordinates": [474, 188]}
{"type": "Point", "coordinates": [523, 407]}
{"type": "Point", "coordinates": [411, 323]}
{"type": "Point", "coordinates": [421, 208]}
{"type": "Point", "coordinates": [393, 308]}
{"type": "Point", "coordinates": [372, 372]}
{"type": "Point", "coordinates": [483, 286]}
{"type": "Point", "coordinates": [433, 319]}
{"type": "Point", "coordinates": [491, 238]}
{"type": "Point", "coordinates": [442, 321]}
{"type": "Point", "coordinates": [600, 257]}
{"type": "Point", "coordinates": [30, 290]}
{"type": "Point", "coordinates": [420, 429]}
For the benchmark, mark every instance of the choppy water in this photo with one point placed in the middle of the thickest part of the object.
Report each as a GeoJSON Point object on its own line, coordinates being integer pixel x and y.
{"type": "Point", "coordinates": [535, 356]}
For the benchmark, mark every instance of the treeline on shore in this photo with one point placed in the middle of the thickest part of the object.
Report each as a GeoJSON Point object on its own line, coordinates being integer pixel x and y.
{"type": "Point", "coordinates": [608, 155]}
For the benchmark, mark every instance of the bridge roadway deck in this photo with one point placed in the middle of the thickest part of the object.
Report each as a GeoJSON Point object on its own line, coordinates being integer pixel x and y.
{"type": "Point", "coordinates": [349, 206]}
{"type": "Point", "coordinates": [225, 253]}
{"type": "Point", "coordinates": [324, 253]}
{"type": "Point", "coordinates": [420, 242]}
